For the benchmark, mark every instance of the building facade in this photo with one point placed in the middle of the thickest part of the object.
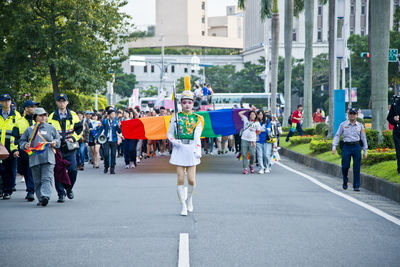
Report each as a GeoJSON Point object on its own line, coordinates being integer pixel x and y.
{"type": "Point", "coordinates": [175, 67]}
{"type": "Point", "coordinates": [184, 23]}
{"type": "Point", "coordinates": [256, 31]}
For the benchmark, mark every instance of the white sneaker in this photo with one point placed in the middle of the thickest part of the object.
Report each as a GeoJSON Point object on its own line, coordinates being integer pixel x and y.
{"type": "Point", "coordinates": [127, 166]}
{"type": "Point", "coordinates": [132, 165]}
{"type": "Point", "coordinates": [267, 170]}
{"type": "Point", "coordinates": [261, 171]}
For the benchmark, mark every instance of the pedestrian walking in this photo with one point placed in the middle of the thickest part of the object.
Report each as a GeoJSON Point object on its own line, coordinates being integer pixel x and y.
{"type": "Point", "coordinates": [8, 131]}
{"type": "Point", "coordinates": [23, 161]}
{"type": "Point", "coordinates": [41, 162]}
{"type": "Point", "coordinates": [184, 133]}
{"type": "Point", "coordinates": [394, 119]}
{"type": "Point", "coordinates": [69, 127]}
{"type": "Point", "coordinates": [111, 129]}
{"type": "Point", "coordinates": [296, 120]}
{"type": "Point", "coordinates": [354, 139]}
{"type": "Point", "coordinates": [249, 137]}
{"type": "Point", "coordinates": [263, 147]}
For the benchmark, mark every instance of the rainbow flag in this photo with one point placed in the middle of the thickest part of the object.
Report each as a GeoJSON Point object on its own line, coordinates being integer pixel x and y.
{"type": "Point", "coordinates": [40, 148]}
{"type": "Point", "coordinates": [222, 122]}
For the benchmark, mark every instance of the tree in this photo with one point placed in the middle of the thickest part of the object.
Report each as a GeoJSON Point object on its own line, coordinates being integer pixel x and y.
{"type": "Point", "coordinates": [124, 84]}
{"type": "Point", "coordinates": [378, 37]}
{"type": "Point", "coordinates": [288, 59]}
{"type": "Point", "coordinates": [76, 41]}
{"type": "Point", "coordinates": [332, 65]}
{"type": "Point", "coordinates": [308, 62]}
{"type": "Point", "coordinates": [248, 79]}
{"type": "Point", "coordinates": [180, 83]}
{"type": "Point", "coordinates": [268, 9]}
{"type": "Point", "coordinates": [152, 91]}
{"type": "Point", "coordinates": [220, 78]}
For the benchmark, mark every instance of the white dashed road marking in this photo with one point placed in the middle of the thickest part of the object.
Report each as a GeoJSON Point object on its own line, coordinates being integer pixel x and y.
{"type": "Point", "coordinates": [183, 258]}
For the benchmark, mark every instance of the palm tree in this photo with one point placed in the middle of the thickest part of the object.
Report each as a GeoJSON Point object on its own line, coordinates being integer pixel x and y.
{"type": "Point", "coordinates": [332, 65]}
{"type": "Point", "coordinates": [378, 38]}
{"type": "Point", "coordinates": [269, 9]}
{"type": "Point", "coordinates": [308, 61]}
{"type": "Point", "coordinates": [288, 59]}
{"type": "Point", "coordinates": [290, 10]}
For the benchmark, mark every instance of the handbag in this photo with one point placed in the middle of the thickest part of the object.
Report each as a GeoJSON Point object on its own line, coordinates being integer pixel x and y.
{"type": "Point", "coordinates": [4, 154]}
{"type": "Point", "coordinates": [72, 145]}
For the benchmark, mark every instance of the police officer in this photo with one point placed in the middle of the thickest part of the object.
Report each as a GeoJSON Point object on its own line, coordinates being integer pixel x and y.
{"type": "Point", "coordinates": [23, 161]}
{"type": "Point", "coordinates": [8, 131]}
{"type": "Point", "coordinates": [69, 127]}
{"type": "Point", "coordinates": [353, 132]}
{"type": "Point", "coordinates": [394, 119]}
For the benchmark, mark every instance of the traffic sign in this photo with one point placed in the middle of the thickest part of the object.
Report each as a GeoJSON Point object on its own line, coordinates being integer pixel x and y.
{"type": "Point", "coordinates": [393, 55]}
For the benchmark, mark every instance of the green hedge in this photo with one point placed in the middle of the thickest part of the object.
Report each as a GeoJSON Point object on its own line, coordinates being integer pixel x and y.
{"type": "Point", "coordinates": [372, 138]}
{"type": "Point", "coordinates": [320, 146]}
{"type": "Point", "coordinates": [374, 158]}
{"type": "Point", "coordinates": [367, 120]}
{"type": "Point", "coordinates": [296, 140]}
{"type": "Point", "coordinates": [286, 129]}
{"type": "Point", "coordinates": [309, 131]}
{"type": "Point", "coordinates": [320, 128]}
{"type": "Point", "coordinates": [388, 141]}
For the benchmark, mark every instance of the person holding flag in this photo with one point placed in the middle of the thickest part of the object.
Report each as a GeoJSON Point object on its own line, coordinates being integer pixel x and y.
{"type": "Point", "coordinates": [39, 141]}
{"type": "Point", "coordinates": [184, 133]}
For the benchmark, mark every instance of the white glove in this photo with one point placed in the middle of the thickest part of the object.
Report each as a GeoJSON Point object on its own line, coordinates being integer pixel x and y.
{"type": "Point", "coordinates": [197, 153]}
{"type": "Point", "coordinates": [176, 142]}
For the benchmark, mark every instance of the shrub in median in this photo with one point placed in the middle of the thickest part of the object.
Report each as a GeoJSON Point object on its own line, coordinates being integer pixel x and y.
{"type": "Point", "coordinates": [388, 141]}
{"type": "Point", "coordinates": [372, 138]}
{"type": "Point", "coordinates": [309, 131]}
{"type": "Point", "coordinates": [297, 140]}
{"type": "Point", "coordinates": [379, 155]}
{"type": "Point", "coordinates": [320, 128]}
{"type": "Point", "coordinates": [320, 146]}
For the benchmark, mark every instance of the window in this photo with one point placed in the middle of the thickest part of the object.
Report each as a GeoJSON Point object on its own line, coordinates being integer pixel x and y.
{"type": "Point", "coordinates": [145, 69]}
{"type": "Point", "coordinates": [294, 35]}
{"type": "Point", "coordinates": [203, 5]}
{"type": "Point", "coordinates": [172, 68]}
{"type": "Point", "coordinates": [362, 32]}
{"type": "Point", "coordinates": [192, 71]}
{"type": "Point", "coordinates": [203, 33]}
{"type": "Point", "coordinates": [351, 31]}
{"type": "Point", "coordinates": [363, 10]}
{"type": "Point", "coordinates": [214, 34]}
{"type": "Point", "coordinates": [319, 38]}
{"type": "Point", "coordinates": [352, 10]}
{"type": "Point", "coordinates": [166, 69]}
{"type": "Point", "coordinates": [203, 20]}
{"type": "Point", "coordinates": [132, 68]}
{"type": "Point", "coordinates": [319, 10]}
{"type": "Point", "coordinates": [152, 68]}
{"type": "Point", "coordinates": [185, 70]}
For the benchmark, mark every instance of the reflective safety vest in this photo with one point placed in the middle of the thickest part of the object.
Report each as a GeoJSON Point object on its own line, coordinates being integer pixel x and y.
{"type": "Point", "coordinates": [23, 123]}
{"type": "Point", "coordinates": [70, 127]}
{"type": "Point", "coordinates": [9, 130]}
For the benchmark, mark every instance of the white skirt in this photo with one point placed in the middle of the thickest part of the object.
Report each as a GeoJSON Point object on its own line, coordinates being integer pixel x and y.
{"type": "Point", "coordinates": [184, 156]}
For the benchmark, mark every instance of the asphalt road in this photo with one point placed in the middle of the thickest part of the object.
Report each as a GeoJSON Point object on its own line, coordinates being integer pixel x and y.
{"type": "Point", "coordinates": [132, 219]}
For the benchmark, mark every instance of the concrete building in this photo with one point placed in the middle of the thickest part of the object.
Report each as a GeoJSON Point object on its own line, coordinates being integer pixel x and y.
{"type": "Point", "coordinates": [176, 66]}
{"type": "Point", "coordinates": [184, 23]}
{"type": "Point", "coordinates": [256, 32]}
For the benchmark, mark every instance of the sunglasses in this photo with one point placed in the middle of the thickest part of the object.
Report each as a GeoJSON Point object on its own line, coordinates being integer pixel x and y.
{"type": "Point", "coordinates": [185, 102]}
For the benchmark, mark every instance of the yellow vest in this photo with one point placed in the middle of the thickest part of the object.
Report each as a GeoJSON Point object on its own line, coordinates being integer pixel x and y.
{"type": "Point", "coordinates": [9, 130]}
{"type": "Point", "coordinates": [71, 120]}
{"type": "Point", "coordinates": [23, 124]}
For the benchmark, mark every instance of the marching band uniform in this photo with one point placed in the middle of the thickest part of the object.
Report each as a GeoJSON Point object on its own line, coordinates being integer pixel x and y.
{"type": "Point", "coordinates": [186, 151]}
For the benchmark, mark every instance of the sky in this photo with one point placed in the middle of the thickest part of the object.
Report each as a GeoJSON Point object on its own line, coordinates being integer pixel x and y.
{"type": "Point", "coordinates": [143, 11]}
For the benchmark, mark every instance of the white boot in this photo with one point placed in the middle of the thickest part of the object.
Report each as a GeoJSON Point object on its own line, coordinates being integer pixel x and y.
{"type": "Point", "coordinates": [181, 196]}
{"type": "Point", "coordinates": [189, 201]}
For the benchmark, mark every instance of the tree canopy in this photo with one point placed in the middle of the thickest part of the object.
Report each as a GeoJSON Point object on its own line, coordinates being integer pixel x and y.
{"type": "Point", "coordinates": [75, 43]}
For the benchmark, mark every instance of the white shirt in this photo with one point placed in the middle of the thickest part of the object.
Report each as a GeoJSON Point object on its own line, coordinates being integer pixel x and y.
{"type": "Point", "coordinates": [198, 92]}
{"type": "Point", "coordinates": [250, 129]}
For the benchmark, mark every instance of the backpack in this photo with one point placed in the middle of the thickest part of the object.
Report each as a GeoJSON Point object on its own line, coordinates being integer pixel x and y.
{"type": "Point", "coordinates": [290, 119]}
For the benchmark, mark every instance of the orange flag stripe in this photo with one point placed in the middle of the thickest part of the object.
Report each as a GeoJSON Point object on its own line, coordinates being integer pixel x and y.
{"type": "Point", "coordinates": [155, 127]}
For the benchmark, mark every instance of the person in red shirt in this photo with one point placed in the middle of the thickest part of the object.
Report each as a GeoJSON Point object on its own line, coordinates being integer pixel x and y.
{"type": "Point", "coordinates": [296, 119]}
{"type": "Point", "coordinates": [317, 116]}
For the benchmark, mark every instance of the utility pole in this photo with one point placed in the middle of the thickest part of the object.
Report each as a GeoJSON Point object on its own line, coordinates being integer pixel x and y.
{"type": "Point", "coordinates": [162, 66]}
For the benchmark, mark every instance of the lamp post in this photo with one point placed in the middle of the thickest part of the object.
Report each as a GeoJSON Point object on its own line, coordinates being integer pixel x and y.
{"type": "Point", "coordinates": [162, 66]}
{"type": "Point", "coordinates": [266, 76]}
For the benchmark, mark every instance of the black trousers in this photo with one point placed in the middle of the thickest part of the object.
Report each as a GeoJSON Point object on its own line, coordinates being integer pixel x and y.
{"type": "Point", "coordinates": [129, 148]}
{"type": "Point", "coordinates": [110, 151]}
{"type": "Point", "coordinates": [396, 138]}
{"type": "Point", "coordinates": [7, 176]}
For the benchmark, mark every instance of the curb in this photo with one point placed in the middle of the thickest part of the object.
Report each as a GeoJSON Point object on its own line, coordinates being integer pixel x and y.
{"type": "Point", "coordinates": [369, 182]}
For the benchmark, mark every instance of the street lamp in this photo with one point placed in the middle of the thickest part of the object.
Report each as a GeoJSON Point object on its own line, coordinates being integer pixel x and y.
{"type": "Point", "coordinates": [266, 76]}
